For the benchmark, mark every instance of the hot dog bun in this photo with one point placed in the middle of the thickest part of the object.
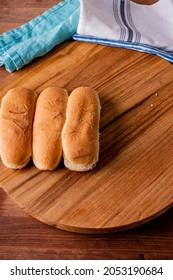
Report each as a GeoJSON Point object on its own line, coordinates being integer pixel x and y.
{"type": "Point", "coordinates": [47, 127]}
{"type": "Point", "coordinates": [80, 135]}
{"type": "Point", "coordinates": [16, 117]}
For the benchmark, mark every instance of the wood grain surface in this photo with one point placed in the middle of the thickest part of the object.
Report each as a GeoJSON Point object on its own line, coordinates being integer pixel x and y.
{"type": "Point", "coordinates": [19, 232]}
{"type": "Point", "coordinates": [132, 182]}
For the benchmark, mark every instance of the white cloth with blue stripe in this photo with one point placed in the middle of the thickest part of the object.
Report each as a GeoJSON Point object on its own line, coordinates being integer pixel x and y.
{"type": "Point", "coordinates": [123, 23]}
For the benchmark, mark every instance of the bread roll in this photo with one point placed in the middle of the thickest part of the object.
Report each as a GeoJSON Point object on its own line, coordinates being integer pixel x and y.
{"type": "Point", "coordinates": [80, 136]}
{"type": "Point", "coordinates": [16, 117]}
{"type": "Point", "coordinates": [47, 128]}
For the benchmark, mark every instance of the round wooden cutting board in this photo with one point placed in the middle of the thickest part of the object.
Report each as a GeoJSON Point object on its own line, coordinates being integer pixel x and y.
{"type": "Point", "coordinates": [133, 180]}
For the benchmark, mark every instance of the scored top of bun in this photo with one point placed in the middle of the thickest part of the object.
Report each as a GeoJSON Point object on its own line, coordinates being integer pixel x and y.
{"type": "Point", "coordinates": [80, 136]}
{"type": "Point", "coordinates": [16, 116]}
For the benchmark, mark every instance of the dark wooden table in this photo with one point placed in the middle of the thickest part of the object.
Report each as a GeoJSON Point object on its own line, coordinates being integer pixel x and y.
{"type": "Point", "coordinates": [23, 237]}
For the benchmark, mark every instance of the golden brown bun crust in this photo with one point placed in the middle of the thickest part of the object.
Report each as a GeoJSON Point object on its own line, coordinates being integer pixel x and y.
{"type": "Point", "coordinates": [47, 127]}
{"type": "Point", "coordinates": [81, 130]}
{"type": "Point", "coordinates": [16, 117]}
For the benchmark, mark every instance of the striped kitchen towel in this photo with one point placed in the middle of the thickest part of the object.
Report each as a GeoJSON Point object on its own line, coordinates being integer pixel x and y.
{"type": "Point", "coordinates": [128, 24]}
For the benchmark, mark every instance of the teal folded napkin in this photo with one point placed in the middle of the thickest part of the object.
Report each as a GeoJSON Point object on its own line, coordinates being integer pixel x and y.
{"type": "Point", "coordinates": [20, 46]}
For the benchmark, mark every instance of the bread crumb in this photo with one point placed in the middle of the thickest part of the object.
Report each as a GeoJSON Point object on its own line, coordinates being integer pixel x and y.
{"type": "Point", "coordinates": [151, 105]}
